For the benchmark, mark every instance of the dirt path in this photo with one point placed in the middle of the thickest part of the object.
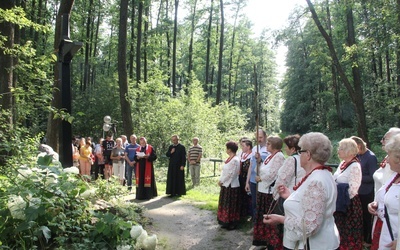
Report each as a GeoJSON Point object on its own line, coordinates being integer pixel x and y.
{"type": "Point", "coordinates": [180, 225]}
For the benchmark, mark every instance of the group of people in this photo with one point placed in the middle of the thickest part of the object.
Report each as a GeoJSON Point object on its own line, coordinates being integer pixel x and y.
{"type": "Point", "coordinates": [298, 203]}
{"type": "Point", "coordinates": [132, 160]}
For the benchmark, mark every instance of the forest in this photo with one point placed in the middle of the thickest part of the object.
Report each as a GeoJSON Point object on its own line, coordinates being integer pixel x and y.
{"type": "Point", "coordinates": [196, 68]}
{"type": "Point", "coordinates": [163, 67]}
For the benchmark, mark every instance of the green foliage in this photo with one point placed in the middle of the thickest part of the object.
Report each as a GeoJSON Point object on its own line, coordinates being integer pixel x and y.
{"type": "Point", "coordinates": [315, 98]}
{"type": "Point", "coordinates": [158, 116]}
{"type": "Point", "coordinates": [17, 15]}
{"type": "Point", "coordinates": [45, 206]}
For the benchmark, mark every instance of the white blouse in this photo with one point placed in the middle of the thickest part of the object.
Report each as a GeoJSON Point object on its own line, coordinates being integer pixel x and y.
{"type": "Point", "coordinates": [381, 176]}
{"type": "Point", "coordinates": [351, 175]}
{"type": "Point", "coordinates": [286, 174]}
{"type": "Point", "coordinates": [391, 200]}
{"type": "Point", "coordinates": [309, 213]}
{"type": "Point", "coordinates": [230, 173]}
{"type": "Point", "coordinates": [269, 171]}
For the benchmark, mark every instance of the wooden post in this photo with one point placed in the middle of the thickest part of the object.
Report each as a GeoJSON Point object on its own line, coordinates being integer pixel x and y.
{"type": "Point", "coordinates": [67, 49]}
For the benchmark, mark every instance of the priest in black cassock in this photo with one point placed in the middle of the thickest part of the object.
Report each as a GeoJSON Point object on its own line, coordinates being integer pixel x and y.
{"type": "Point", "coordinates": [145, 180]}
{"type": "Point", "coordinates": [176, 168]}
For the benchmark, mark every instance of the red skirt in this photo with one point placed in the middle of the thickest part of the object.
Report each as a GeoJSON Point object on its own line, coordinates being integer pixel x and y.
{"type": "Point", "coordinates": [266, 235]}
{"type": "Point", "coordinates": [229, 206]}
{"type": "Point", "coordinates": [350, 226]}
{"type": "Point", "coordinates": [376, 235]}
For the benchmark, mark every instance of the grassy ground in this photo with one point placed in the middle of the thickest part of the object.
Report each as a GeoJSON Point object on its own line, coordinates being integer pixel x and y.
{"type": "Point", "coordinates": [204, 196]}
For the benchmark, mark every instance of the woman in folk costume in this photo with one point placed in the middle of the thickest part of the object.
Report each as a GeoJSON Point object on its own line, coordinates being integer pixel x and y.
{"type": "Point", "coordinates": [246, 208]}
{"type": "Point", "coordinates": [309, 209]}
{"type": "Point", "coordinates": [145, 180]}
{"type": "Point", "coordinates": [228, 214]}
{"type": "Point", "coordinates": [348, 215]}
{"type": "Point", "coordinates": [381, 176]}
{"type": "Point", "coordinates": [268, 235]}
{"type": "Point", "coordinates": [386, 205]}
{"type": "Point", "coordinates": [291, 172]}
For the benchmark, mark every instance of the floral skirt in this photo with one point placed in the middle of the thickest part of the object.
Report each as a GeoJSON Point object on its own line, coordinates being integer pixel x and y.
{"type": "Point", "coordinates": [376, 235]}
{"type": "Point", "coordinates": [229, 206]}
{"type": "Point", "coordinates": [266, 235]}
{"type": "Point", "coordinates": [350, 226]}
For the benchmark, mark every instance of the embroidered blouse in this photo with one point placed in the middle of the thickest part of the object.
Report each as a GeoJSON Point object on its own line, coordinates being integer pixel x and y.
{"type": "Point", "coordinates": [309, 213]}
{"type": "Point", "coordinates": [286, 174]}
{"type": "Point", "coordinates": [230, 173]}
{"type": "Point", "coordinates": [351, 175]}
{"type": "Point", "coordinates": [269, 171]}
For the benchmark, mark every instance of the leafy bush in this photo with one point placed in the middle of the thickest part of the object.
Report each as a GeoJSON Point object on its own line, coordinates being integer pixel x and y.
{"type": "Point", "coordinates": [44, 206]}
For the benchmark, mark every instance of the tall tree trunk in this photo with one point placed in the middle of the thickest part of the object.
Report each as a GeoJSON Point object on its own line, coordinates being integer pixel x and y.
{"type": "Point", "coordinates": [7, 30]}
{"type": "Point", "coordinates": [87, 47]}
{"type": "Point", "coordinates": [357, 81]}
{"type": "Point", "coordinates": [238, 8]}
{"type": "Point", "coordinates": [356, 93]}
{"type": "Point", "coordinates": [190, 66]}
{"type": "Point", "coordinates": [139, 43]}
{"type": "Point", "coordinates": [126, 112]}
{"type": "Point", "coordinates": [95, 42]}
{"type": "Point", "coordinates": [145, 41]}
{"type": "Point", "coordinates": [33, 18]}
{"type": "Point", "coordinates": [208, 52]}
{"type": "Point", "coordinates": [220, 54]}
{"type": "Point", "coordinates": [335, 85]}
{"type": "Point", "coordinates": [174, 49]}
{"type": "Point", "coordinates": [387, 60]}
{"type": "Point", "coordinates": [110, 50]}
{"type": "Point", "coordinates": [6, 68]}
{"type": "Point", "coordinates": [132, 41]}
{"type": "Point", "coordinates": [38, 20]}
{"type": "Point", "coordinates": [168, 46]}
{"type": "Point", "coordinates": [53, 125]}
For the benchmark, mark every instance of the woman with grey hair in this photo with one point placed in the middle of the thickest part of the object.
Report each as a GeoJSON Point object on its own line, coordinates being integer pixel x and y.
{"type": "Point", "coordinates": [386, 204]}
{"type": "Point", "coordinates": [381, 176]}
{"type": "Point", "coordinates": [308, 218]}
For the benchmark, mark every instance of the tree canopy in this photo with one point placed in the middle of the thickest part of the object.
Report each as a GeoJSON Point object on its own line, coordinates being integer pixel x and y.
{"type": "Point", "coordinates": [190, 67]}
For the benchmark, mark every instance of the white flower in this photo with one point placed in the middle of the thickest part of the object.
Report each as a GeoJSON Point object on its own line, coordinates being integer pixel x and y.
{"type": "Point", "coordinates": [16, 205]}
{"type": "Point", "coordinates": [71, 170]}
{"type": "Point", "coordinates": [136, 231]}
{"type": "Point", "coordinates": [140, 239]}
{"type": "Point", "coordinates": [150, 243]}
{"type": "Point", "coordinates": [88, 193]}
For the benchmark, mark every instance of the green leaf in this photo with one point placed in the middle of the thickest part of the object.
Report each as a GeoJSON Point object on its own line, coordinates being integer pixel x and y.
{"type": "Point", "coordinates": [31, 213]}
{"type": "Point", "coordinates": [70, 119]}
{"type": "Point", "coordinates": [45, 160]}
